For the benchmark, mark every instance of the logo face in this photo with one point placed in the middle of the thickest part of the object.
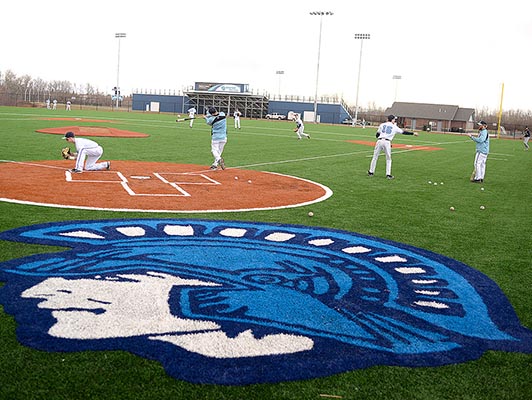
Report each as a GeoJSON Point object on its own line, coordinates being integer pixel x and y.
{"type": "Point", "coordinates": [268, 302]}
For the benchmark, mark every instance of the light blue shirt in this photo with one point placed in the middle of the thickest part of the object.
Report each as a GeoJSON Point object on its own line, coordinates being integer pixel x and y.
{"type": "Point", "coordinates": [482, 141]}
{"type": "Point", "coordinates": [218, 125]}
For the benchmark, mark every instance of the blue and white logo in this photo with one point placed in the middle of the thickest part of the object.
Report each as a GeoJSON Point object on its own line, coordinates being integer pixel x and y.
{"type": "Point", "coordinates": [242, 302]}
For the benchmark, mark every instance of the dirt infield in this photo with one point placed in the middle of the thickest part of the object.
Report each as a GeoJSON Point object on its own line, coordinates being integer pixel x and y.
{"type": "Point", "coordinates": [398, 145]}
{"type": "Point", "coordinates": [93, 131]}
{"type": "Point", "coordinates": [151, 187]}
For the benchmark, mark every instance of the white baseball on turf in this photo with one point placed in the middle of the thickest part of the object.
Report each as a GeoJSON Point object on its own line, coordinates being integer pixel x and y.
{"type": "Point", "coordinates": [310, 214]}
{"type": "Point", "coordinates": [451, 208]}
{"type": "Point", "coordinates": [482, 207]}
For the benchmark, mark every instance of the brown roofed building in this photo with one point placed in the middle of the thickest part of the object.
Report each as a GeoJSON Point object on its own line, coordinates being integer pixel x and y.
{"type": "Point", "coordinates": [433, 117]}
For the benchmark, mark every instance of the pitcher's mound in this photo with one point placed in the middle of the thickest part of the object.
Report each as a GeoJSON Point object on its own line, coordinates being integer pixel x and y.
{"type": "Point", "coordinates": [93, 131]}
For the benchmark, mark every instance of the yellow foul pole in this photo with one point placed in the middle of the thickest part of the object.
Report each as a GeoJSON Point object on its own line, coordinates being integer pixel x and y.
{"type": "Point", "coordinates": [500, 113]}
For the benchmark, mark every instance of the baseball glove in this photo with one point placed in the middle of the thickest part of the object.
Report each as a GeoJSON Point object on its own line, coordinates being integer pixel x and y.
{"type": "Point", "coordinates": [296, 129]}
{"type": "Point", "coordinates": [67, 154]}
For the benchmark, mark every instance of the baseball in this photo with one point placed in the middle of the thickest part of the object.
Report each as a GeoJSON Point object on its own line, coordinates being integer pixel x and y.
{"type": "Point", "coordinates": [236, 177]}
{"type": "Point", "coordinates": [452, 208]}
{"type": "Point", "coordinates": [482, 207]}
{"type": "Point", "coordinates": [430, 182]}
{"type": "Point", "coordinates": [310, 214]}
{"type": "Point", "coordinates": [482, 189]}
{"type": "Point", "coordinates": [249, 181]}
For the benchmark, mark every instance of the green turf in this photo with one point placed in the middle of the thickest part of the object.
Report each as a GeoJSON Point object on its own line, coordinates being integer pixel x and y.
{"type": "Point", "coordinates": [496, 241]}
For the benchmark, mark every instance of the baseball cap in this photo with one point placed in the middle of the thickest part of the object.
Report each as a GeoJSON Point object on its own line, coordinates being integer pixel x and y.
{"type": "Point", "coordinates": [212, 110]}
{"type": "Point", "coordinates": [68, 135]}
{"type": "Point", "coordinates": [481, 122]}
{"type": "Point", "coordinates": [391, 117]}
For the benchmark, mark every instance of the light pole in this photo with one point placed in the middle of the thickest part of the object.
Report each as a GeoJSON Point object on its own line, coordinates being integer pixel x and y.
{"type": "Point", "coordinates": [396, 78]}
{"type": "Point", "coordinates": [360, 36]}
{"type": "Point", "coordinates": [321, 14]}
{"type": "Point", "coordinates": [279, 73]}
{"type": "Point", "coordinates": [117, 90]}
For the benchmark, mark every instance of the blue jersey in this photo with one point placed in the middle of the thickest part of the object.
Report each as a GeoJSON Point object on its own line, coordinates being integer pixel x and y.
{"type": "Point", "coordinates": [218, 125]}
{"type": "Point", "coordinates": [482, 141]}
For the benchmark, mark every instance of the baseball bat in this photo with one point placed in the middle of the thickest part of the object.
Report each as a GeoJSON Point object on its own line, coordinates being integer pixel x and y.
{"type": "Point", "coordinates": [183, 119]}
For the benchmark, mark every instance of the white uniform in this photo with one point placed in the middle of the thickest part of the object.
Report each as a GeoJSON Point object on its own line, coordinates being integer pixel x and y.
{"type": "Point", "coordinates": [91, 151]}
{"type": "Point", "coordinates": [236, 115]}
{"type": "Point", "coordinates": [526, 138]}
{"type": "Point", "coordinates": [300, 128]}
{"type": "Point", "coordinates": [387, 131]}
{"type": "Point", "coordinates": [191, 114]}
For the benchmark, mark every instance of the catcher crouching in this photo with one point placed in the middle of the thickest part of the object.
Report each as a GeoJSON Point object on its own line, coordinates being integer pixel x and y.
{"type": "Point", "coordinates": [87, 154]}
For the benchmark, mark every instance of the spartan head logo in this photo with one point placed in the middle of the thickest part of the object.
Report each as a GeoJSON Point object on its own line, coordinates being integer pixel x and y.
{"type": "Point", "coordinates": [266, 302]}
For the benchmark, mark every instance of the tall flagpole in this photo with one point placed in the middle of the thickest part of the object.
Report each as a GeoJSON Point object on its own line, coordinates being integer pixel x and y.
{"type": "Point", "coordinates": [500, 113]}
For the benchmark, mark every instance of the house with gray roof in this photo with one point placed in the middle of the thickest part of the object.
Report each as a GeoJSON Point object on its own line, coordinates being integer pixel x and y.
{"type": "Point", "coordinates": [433, 117]}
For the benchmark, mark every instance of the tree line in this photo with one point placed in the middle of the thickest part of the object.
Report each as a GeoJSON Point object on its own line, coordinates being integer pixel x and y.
{"type": "Point", "coordinates": [25, 90]}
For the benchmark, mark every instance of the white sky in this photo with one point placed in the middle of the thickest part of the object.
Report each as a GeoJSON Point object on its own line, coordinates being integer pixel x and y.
{"type": "Point", "coordinates": [456, 52]}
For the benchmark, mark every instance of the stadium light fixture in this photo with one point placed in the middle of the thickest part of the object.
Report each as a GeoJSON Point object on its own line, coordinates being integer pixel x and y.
{"type": "Point", "coordinates": [279, 73]}
{"type": "Point", "coordinates": [117, 88]}
{"type": "Point", "coordinates": [361, 37]}
{"type": "Point", "coordinates": [320, 14]}
{"type": "Point", "coordinates": [396, 78]}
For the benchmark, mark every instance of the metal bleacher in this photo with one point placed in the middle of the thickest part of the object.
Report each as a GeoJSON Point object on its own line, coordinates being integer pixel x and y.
{"type": "Point", "coordinates": [250, 105]}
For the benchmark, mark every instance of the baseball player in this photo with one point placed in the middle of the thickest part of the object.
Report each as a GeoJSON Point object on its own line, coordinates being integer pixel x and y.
{"type": "Point", "coordinates": [385, 134]}
{"type": "Point", "coordinates": [236, 116]}
{"type": "Point", "coordinates": [526, 137]}
{"type": "Point", "coordinates": [218, 124]}
{"type": "Point", "coordinates": [88, 152]}
{"type": "Point", "coordinates": [482, 144]}
{"type": "Point", "coordinates": [191, 114]}
{"type": "Point", "coordinates": [300, 128]}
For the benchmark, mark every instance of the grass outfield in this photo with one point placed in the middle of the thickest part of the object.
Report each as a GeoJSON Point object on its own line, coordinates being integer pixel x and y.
{"type": "Point", "coordinates": [495, 241]}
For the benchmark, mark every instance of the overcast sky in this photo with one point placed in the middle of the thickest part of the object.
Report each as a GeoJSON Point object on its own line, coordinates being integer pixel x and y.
{"type": "Point", "coordinates": [456, 52]}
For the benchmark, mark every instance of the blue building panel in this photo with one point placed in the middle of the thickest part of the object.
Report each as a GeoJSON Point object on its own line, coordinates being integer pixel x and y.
{"type": "Point", "coordinates": [329, 113]}
{"type": "Point", "coordinates": [167, 103]}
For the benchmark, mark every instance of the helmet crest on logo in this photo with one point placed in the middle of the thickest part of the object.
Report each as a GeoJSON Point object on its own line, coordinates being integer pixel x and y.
{"type": "Point", "coordinates": [219, 294]}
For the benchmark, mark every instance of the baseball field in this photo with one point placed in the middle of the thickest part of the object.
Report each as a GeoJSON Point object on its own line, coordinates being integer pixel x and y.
{"type": "Point", "coordinates": [431, 208]}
